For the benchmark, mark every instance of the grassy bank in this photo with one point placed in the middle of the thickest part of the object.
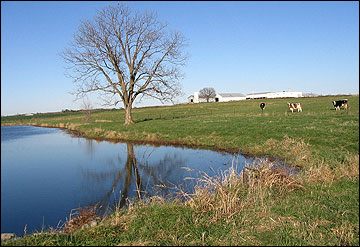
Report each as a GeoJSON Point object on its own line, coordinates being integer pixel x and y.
{"type": "Point", "coordinates": [322, 210]}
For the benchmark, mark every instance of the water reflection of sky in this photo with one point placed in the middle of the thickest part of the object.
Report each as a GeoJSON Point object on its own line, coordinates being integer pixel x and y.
{"type": "Point", "coordinates": [45, 173]}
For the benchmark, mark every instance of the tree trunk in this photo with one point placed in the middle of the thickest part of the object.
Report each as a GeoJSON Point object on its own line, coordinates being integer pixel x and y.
{"type": "Point", "coordinates": [129, 165]}
{"type": "Point", "coordinates": [128, 117]}
{"type": "Point", "coordinates": [132, 160]}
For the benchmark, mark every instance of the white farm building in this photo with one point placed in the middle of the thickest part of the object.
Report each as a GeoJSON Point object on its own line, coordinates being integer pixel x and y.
{"type": "Point", "coordinates": [220, 97]}
{"type": "Point", "coordinates": [272, 95]}
{"type": "Point", "coordinates": [225, 97]}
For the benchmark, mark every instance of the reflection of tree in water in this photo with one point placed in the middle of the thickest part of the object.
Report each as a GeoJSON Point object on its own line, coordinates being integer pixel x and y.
{"type": "Point", "coordinates": [137, 173]}
{"type": "Point", "coordinates": [90, 149]}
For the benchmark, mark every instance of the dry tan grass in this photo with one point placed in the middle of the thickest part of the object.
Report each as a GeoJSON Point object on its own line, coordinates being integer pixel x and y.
{"type": "Point", "coordinates": [295, 151]}
{"type": "Point", "coordinates": [220, 194]}
{"type": "Point", "coordinates": [145, 243]}
{"type": "Point", "coordinates": [322, 172]}
{"type": "Point", "coordinates": [349, 168]}
{"type": "Point", "coordinates": [61, 125]}
{"type": "Point", "coordinates": [72, 126]}
{"type": "Point", "coordinates": [83, 216]}
{"type": "Point", "coordinates": [306, 230]}
{"type": "Point", "coordinates": [230, 192]}
{"type": "Point", "coordinates": [222, 205]}
{"type": "Point", "coordinates": [98, 130]}
{"type": "Point", "coordinates": [298, 153]}
{"type": "Point", "coordinates": [264, 175]}
{"type": "Point", "coordinates": [150, 136]}
{"type": "Point", "coordinates": [103, 121]}
{"type": "Point", "coordinates": [111, 134]}
{"type": "Point", "coordinates": [345, 234]}
{"type": "Point", "coordinates": [119, 219]}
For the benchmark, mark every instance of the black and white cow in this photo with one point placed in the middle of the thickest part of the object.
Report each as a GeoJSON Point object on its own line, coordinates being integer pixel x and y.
{"type": "Point", "coordinates": [295, 106]}
{"type": "Point", "coordinates": [262, 106]}
{"type": "Point", "coordinates": [340, 103]}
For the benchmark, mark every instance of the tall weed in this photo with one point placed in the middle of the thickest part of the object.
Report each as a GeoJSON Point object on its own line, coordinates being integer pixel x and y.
{"type": "Point", "coordinates": [230, 192]}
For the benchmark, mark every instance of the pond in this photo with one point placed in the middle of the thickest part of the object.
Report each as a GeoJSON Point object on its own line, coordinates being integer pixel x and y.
{"type": "Point", "coordinates": [46, 172]}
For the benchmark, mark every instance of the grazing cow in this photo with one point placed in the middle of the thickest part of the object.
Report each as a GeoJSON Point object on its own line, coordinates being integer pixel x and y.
{"type": "Point", "coordinates": [294, 106]}
{"type": "Point", "coordinates": [262, 106]}
{"type": "Point", "coordinates": [340, 103]}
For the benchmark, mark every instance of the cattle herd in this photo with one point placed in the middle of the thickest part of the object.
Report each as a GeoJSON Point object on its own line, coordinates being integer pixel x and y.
{"type": "Point", "coordinates": [297, 106]}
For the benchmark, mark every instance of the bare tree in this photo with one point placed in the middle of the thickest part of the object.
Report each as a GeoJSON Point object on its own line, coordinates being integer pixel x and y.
{"type": "Point", "coordinates": [124, 55]}
{"type": "Point", "coordinates": [87, 107]}
{"type": "Point", "coordinates": [207, 93]}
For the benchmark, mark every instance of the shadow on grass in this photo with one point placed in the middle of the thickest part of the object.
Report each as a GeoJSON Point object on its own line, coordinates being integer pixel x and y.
{"type": "Point", "coordinates": [161, 118]}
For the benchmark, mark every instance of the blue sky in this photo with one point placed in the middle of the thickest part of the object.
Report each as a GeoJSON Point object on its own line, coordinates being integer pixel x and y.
{"type": "Point", "coordinates": [235, 46]}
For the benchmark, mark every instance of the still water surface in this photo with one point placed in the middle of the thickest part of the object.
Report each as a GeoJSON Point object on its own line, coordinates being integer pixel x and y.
{"type": "Point", "coordinates": [46, 172]}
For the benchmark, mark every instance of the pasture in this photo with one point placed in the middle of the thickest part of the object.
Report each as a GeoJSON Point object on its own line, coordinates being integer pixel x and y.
{"type": "Point", "coordinates": [242, 125]}
{"type": "Point", "coordinates": [322, 142]}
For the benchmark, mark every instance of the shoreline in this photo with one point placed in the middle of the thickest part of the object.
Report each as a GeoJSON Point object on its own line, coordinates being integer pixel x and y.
{"type": "Point", "coordinates": [78, 134]}
{"type": "Point", "coordinates": [233, 151]}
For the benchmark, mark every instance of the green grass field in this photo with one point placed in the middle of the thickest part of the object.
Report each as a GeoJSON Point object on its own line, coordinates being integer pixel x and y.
{"type": "Point", "coordinates": [322, 142]}
{"type": "Point", "coordinates": [231, 125]}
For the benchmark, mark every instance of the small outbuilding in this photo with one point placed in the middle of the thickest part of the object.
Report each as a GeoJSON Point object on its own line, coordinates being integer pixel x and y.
{"type": "Point", "coordinates": [194, 98]}
{"type": "Point", "coordinates": [191, 99]}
